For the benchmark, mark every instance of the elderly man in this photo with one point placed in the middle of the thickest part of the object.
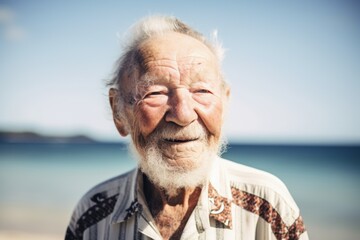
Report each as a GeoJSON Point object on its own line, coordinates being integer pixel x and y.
{"type": "Point", "coordinates": [168, 93]}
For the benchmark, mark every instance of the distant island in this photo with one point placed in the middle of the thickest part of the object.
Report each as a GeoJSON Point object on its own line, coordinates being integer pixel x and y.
{"type": "Point", "coordinates": [32, 137]}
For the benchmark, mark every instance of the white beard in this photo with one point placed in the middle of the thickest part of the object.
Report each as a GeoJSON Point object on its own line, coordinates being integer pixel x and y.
{"type": "Point", "coordinates": [172, 177]}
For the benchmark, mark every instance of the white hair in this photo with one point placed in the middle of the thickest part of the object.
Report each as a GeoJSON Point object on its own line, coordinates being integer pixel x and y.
{"type": "Point", "coordinates": [128, 64]}
{"type": "Point", "coordinates": [158, 25]}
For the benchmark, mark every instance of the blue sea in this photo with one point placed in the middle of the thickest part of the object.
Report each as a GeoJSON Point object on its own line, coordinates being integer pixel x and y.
{"type": "Point", "coordinates": [41, 183]}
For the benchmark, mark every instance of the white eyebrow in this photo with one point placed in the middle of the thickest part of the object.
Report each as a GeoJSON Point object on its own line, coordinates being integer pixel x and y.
{"type": "Point", "coordinates": [147, 78]}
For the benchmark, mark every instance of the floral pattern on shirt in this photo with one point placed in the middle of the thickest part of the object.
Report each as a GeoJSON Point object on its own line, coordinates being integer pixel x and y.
{"type": "Point", "coordinates": [265, 210]}
{"type": "Point", "coordinates": [220, 207]}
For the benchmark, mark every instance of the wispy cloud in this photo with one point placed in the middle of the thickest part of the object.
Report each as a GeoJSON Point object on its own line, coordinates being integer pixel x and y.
{"type": "Point", "coordinates": [10, 30]}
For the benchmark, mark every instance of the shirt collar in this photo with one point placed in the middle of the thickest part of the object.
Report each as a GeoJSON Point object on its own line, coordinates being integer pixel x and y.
{"type": "Point", "coordinates": [127, 203]}
{"type": "Point", "coordinates": [216, 197]}
{"type": "Point", "coordinates": [219, 194]}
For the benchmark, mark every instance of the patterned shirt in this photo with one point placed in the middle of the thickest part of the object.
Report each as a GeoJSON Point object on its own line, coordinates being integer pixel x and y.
{"type": "Point", "coordinates": [238, 202]}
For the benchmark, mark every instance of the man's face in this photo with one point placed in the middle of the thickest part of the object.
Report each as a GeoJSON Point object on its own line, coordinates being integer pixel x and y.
{"type": "Point", "coordinates": [179, 106]}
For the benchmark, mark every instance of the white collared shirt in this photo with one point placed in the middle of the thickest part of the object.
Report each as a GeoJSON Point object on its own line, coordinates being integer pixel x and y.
{"type": "Point", "coordinates": [239, 202]}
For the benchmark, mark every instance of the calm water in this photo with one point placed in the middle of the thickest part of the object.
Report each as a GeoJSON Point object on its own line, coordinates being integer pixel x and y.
{"type": "Point", "coordinates": [41, 183]}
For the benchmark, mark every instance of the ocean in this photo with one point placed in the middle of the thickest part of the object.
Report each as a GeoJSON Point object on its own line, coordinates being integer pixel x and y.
{"type": "Point", "coordinates": [41, 183]}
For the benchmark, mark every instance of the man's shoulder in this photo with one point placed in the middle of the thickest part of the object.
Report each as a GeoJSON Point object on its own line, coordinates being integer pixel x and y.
{"type": "Point", "coordinates": [240, 174]}
{"type": "Point", "coordinates": [99, 203]}
{"type": "Point", "coordinates": [108, 190]}
{"type": "Point", "coordinates": [250, 185]}
{"type": "Point", "coordinates": [110, 186]}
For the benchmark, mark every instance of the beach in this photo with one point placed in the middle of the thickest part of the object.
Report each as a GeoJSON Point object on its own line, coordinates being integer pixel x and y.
{"type": "Point", "coordinates": [40, 184]}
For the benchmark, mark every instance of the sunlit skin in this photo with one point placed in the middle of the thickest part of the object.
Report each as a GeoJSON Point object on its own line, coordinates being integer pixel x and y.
{"type": "Point", "coordinates": [186, 84]}
{"type": "Point", "coordinates": [182, 86]}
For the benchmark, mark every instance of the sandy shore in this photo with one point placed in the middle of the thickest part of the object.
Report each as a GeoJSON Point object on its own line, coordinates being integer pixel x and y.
{"type": "Point", "coordinates": [14, 235]}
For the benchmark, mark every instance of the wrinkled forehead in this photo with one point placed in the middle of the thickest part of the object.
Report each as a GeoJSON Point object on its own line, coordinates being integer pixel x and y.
{"type": "Point", "coordinates": [176, 54]}
{"type": "Point", "coordinates": [171, 56]}
{"type": "Point", "coordinates": [186, 70]}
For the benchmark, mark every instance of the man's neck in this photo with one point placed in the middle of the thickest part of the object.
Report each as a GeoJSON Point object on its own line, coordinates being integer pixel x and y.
{"type": "Point", "coordinates": [171, 210]}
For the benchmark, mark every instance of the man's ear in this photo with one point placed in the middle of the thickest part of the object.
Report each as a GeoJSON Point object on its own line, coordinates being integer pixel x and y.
{"type": "Point", "coordinates": [120, 124]}
{"type": "Point", "coordinates": [227, 93]}
{"type": "Point", "coordinates": [226, 98]}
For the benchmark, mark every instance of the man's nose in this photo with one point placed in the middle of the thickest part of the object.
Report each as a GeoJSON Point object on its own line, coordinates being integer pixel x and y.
{"type": "Point", "coordinates": [181, 109]}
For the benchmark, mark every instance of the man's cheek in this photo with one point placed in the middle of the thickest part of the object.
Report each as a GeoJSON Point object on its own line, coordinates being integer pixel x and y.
{"type": "Point", "coordinates": [148, 118]}
{"type": "Point", "coordinates": [211, 117]}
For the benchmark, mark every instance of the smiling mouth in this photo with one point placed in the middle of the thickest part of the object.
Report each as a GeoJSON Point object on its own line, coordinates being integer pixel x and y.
{"type": "Point", "coordinates": [169, 140]}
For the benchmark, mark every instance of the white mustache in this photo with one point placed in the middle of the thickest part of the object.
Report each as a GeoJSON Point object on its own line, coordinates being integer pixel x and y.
{"type": "Point", "coordinates": [174, 132]}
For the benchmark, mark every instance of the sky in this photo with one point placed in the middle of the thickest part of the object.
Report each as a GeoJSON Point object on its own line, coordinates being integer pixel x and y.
{"type": "Point", "coordinates": [293, 66]}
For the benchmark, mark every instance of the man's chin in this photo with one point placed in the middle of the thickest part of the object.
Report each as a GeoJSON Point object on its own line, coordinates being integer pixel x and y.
{"type": "Point", "coordinates": [181, 163]}
{"type": "Point", "coordinates": [171, 174]}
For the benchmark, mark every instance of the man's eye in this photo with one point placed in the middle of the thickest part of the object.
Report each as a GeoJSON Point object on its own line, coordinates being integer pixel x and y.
{"type": "Point", "coordinates": [203, 91]}
{"type": "Point", "coordinates": [155, 93]}
{"type": "Point", "coordinates": [150, 94]}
